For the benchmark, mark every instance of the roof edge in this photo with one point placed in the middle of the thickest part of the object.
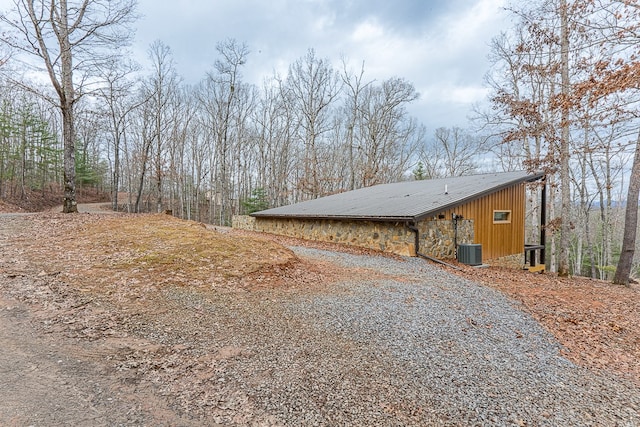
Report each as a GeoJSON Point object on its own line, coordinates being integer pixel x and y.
{"type": "Point", "coordinates": [337, 217]}
{"type": "Point", "coordinates": [531, 178]}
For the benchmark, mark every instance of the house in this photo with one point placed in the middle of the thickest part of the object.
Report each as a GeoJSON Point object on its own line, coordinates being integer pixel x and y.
{"type": "Point", "coordinates": [431, 218]}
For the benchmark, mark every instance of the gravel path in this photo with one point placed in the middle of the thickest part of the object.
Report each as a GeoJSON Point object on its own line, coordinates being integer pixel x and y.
{"type": "Point", "coordinates": [429, 348]}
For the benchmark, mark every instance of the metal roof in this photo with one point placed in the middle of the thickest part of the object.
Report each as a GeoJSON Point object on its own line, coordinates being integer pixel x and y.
{"type": "Point", "coordinates": [401, 201]}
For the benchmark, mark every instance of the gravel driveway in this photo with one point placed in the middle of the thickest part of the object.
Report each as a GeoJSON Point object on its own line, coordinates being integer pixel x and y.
{"type": "Point", "coordinates": [429, 348]}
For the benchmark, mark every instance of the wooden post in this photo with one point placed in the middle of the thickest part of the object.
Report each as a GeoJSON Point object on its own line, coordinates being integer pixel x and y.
{"type": "Point", "coordinates": [543, 220]}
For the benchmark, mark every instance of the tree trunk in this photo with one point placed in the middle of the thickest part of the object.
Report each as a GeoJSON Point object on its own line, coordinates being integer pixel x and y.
{"type": "Point", "coordinates": [623, 271]}
{"type": "Point", "coordinates": [116, 164]}
{"type": "Point", "coordinates": [67, 97]}
{"type": "Point", "coordinates": [116, 175]}
{"type": "Point", "coordinates": [143, 171]}
{"type": "Point", "coordinates": [70, 204]}
{"type": "Point", "coordinates": [565, 196]}
{"type": "Point", "coordinates": [159, 164]}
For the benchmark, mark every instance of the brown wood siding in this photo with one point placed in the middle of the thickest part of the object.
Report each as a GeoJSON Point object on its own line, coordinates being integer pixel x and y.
{"type": "Point", "coordinates": [497, 240]}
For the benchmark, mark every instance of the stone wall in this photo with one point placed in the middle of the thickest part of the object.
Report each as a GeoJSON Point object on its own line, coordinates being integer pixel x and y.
{"type": "Point", "coordinates": [383, 236]}
{"type": "Point", "coordinates": [510, 261]}
{"type": "Point", "coordinates": [243, 222]}
{"type": "Point", "coordinates": [437, 237]}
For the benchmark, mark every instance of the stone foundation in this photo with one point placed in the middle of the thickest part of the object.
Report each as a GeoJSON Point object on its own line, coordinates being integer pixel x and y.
{"type": "Point", "coordinates": [392, 237]}
{"type": "Point", "coordinates": [438, 239]}
{"type": "Point", "coordinates": [509, 261]}
{"type": "Point", "coordinates": [243, 222]}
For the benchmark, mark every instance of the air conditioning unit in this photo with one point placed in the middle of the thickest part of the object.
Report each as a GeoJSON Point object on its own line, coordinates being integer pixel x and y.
{"type": "Point", "coordinates": [470, 254]}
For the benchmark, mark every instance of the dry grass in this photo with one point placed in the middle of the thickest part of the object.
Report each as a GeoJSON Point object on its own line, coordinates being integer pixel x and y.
{"type": "Point", "coordinates": [157, 249]}
{"type": "Point", "coordinates": [169, 246]}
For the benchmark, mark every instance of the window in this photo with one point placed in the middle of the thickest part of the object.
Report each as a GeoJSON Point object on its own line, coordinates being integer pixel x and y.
{"type": "Point", "coordinates": [501, 217]}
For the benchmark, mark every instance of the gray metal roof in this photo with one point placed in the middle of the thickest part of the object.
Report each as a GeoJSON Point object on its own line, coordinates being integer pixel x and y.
{"type": "Point", "coordinates": [401, 201]}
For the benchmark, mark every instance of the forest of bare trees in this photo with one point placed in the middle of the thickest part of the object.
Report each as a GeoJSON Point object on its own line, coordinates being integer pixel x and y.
{"type": "Point", "coordinates": [563, 91]}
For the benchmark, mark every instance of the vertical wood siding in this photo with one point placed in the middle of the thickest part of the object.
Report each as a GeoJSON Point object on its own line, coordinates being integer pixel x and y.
{"type": "Point", "coordinates": [497, 240]}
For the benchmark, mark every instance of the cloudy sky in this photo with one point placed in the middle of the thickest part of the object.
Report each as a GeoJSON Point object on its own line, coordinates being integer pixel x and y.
{"type": "Point", "coordinates": [439, 45]}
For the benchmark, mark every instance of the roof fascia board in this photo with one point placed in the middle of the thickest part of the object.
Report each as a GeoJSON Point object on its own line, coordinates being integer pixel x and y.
{"type": "Point", "coordinates": [530, 178]}
{"type": "Point", "coordinates": [340, 217]}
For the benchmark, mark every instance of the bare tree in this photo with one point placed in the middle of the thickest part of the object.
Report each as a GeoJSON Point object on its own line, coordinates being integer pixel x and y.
{"type": "Point", "coordinates": [273, 119]}
{"type": "Point", "coordinates": [452, 152]}
{"type": "Point", "coordinates": [565, 108]}
{"type": "Point", "coordinates": [161, 88]}
{"type": "Point", "coordinates": [144, 136]}
{"type": "Point", "coordinates": [70, 38]}
{"type": "Point", "coordinates": [617, 72]}
{"type": "Point", "coordinates": [224, 98]}
{"type": "Point", "coordinates": [314, 87]}
{"type": "Point", "coordinates": [115, 94]}
{"type": "Point", "coordinates": [540, 66]}
{"type": "Point", "coordinates": [354, 85]}
{"type": "Point", "coordinates": [388, 135]}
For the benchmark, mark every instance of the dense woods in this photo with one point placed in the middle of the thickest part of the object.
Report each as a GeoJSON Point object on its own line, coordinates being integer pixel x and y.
{"type": "Point", "coordinates": [562, 98]}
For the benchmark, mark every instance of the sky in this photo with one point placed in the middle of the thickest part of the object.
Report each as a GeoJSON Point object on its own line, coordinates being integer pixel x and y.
{"type": "Point", "coordinates": [441, 46]}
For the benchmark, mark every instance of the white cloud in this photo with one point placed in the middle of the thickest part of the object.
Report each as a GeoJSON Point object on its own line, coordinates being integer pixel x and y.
{"type": "Point", "coordinates": [461, 30]}
{"type": "Point", "coordinates": [456, 94]}
{"type": "Point", "coordinates": [368, 31]}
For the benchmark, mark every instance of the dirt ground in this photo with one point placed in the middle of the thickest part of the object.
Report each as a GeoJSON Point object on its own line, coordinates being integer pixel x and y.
{"type": "Point", "coordinates": [92, 316]}
{"type": "Point", "coordinates": [37, 201]}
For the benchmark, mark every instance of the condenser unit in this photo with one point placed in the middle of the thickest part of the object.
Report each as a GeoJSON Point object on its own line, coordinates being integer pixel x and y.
{"type": "Point", "coordinates": [470, 254]}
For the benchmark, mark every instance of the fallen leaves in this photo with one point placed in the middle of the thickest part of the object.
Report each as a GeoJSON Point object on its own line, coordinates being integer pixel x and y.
{"type": "Point", "coordinates": [594, 320]}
